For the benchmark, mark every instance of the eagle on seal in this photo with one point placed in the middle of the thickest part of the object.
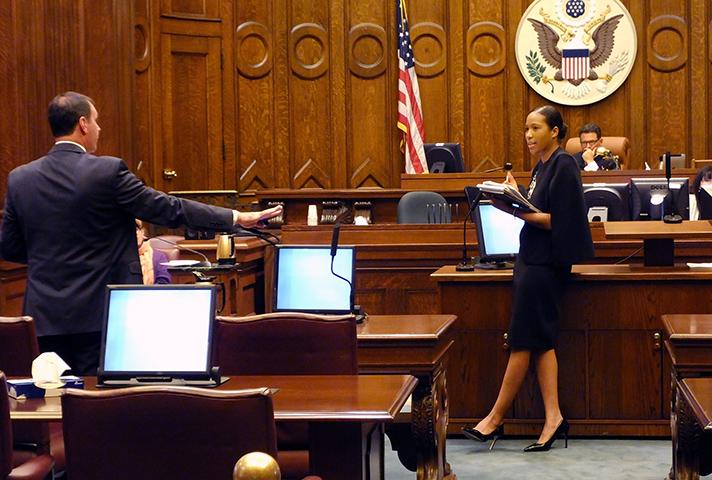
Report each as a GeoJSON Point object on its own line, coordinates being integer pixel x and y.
{"type": "Point", "coordinates": [603, 38]}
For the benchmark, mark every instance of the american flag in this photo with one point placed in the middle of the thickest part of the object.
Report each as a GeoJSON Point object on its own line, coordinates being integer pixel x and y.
{"type": "Point", "coordinates": [575, 63]}
{"type": "Point", "coordinates": [410, 117]}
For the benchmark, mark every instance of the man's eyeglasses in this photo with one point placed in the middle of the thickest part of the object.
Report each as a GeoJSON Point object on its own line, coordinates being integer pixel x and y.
{"type": "Point", "coordinates": [590, 143]}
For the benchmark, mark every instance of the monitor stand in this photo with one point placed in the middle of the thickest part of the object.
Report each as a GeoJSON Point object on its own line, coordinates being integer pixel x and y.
{"type": "Point", "coordinates": [495, 265]}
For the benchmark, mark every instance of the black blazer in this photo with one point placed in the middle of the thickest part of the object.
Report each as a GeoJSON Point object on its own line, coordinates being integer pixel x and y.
{"type": "Point", "coordinates": [70, 217]}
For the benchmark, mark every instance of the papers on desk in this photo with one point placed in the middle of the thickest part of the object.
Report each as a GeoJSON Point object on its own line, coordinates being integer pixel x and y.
{"type": "Point", "coordinates": [180, 263]}
{"type": "Point", "coordinates": [699, 266]}
{"type": "Point", "coordinates": [507, 193]}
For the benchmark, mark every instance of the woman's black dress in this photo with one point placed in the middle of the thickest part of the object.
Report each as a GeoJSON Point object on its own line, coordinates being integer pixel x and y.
{"type": "Point", "coordinates": [545, 256]}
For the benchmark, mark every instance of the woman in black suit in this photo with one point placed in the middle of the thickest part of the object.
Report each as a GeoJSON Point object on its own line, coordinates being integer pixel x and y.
{"type": "Point", "coordinates": [550, 242]}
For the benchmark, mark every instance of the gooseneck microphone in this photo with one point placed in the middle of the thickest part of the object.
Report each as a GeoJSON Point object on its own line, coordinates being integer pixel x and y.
{"type": "Point", "coordinates": [473, 195]}
{"type": "Point", "coordinates": [507, 167]}
{"type": "Point", "coordinates": [356, 309]}
{"type": "Point", "coordinates": [672, 217]}
{"type": "Point", "coordinates": [205, 263]}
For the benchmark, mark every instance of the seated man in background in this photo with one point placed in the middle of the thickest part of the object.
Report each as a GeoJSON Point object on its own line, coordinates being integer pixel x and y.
{"type": "Point", "coordinates": [152, 260]}
{"type": "Point", "coordinates": [590, 138]}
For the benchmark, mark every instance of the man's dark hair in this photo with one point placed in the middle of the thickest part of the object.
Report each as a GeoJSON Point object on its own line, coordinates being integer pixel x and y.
{"type": "Point", "coordinates": [64, 111]}
{"type": "Point", "coordinates": [591, 128]}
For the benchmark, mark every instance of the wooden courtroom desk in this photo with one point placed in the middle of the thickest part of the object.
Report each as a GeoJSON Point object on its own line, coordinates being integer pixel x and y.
{"type": "Point", "coordinates": [612, 368]}
{"type": "Point", "coordinates": [417, 345]}
{"type": "Point", "coordinates": [692, 430]}
{"type": "Point", "coordinates": [346, 414]}
{"type": "Point", "coordinates": [394, 262]}
{"type": "Point", "coordinates": [688, 343]}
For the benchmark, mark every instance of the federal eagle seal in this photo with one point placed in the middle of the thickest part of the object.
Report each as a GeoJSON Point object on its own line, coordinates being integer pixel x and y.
{"type": "Point", "coordinates": [576, 52]}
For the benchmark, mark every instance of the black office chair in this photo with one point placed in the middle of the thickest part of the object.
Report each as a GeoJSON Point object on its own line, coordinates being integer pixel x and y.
{"type": "Point", "coordinates": [423, 207]}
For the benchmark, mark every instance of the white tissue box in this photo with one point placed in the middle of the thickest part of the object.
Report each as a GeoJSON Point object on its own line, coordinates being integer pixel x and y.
{"type": "Point", "coordinates": [25, 388]}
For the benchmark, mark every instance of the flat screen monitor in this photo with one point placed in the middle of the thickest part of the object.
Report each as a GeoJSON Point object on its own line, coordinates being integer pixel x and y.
{"type": "Point", "coordinates": [157, 332]}
{"type": "Point", "coordinates": [304, 283]}
{"type": "Point", "coordinates": [651, 200]}
{"type": "Point", "coordinates": [444, 157]}
{"type": "Point", "coordinates": [606, 202]}
{"type": "Point", "coordinates": [497, 233]}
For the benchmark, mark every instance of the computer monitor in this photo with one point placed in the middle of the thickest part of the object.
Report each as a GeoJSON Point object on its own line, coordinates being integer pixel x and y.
{"type": "Point", "coordinates": [606, 202]}
{"type": "Point", "coordinates": [444, 157]}
{"type": "Point", "coordinates": [650, 199]}
{"type": "Point", "coordinates": [160, 333]}
{"type": "Point", "coordinates": [303, 281]}
{"type": "Point", "coordinates": [497, 233]}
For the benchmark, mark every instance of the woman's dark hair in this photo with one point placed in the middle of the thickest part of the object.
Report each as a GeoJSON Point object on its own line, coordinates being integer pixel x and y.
{"type": "Point", "coordinates": [554, 119]}
{"type": "Point", "coordinates": [705, 173]}
{"type": "Point", "coordinates": [65, 110]}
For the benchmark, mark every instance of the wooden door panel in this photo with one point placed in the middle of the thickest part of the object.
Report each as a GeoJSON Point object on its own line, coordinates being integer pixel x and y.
{"type": "Point", "coordinates": [625, 375]}
{"type": "Point", "coordinates": [192, 129]}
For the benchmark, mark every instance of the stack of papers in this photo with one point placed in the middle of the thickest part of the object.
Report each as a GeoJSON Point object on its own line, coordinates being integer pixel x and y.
{"type": "Point", "coordinates": [507, 193]}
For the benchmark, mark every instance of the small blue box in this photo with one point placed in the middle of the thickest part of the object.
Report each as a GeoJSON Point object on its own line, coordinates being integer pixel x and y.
{"type": "Point", "coordinates": [25, 388]}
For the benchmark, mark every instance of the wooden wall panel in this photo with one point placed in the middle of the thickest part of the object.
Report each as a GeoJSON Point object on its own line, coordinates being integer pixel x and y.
{"type": "Point", "coordinates": [368, 91]}
{"type": "Point", "coordinates": [51, 46]}
{"type": "Point", "coordinates": [307, 93]}
{"type": "Point", "coordinates": [255, 85]}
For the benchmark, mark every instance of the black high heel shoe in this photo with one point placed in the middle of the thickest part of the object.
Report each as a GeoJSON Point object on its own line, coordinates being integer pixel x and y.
{"type": "Point", "coordinates": [562, 429]}
{"type": "Point", "coordinates": [474, 434]}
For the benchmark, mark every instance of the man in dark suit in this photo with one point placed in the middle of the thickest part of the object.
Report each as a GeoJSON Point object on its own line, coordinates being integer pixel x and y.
{"type": "Point", "coordinates": [70, 216]}
{"type": "Point", "coordinates": [590, 138]}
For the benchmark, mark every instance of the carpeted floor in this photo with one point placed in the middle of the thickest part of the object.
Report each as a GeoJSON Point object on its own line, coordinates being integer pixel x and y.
{"type": "Point", "coordinates": [584, 459]}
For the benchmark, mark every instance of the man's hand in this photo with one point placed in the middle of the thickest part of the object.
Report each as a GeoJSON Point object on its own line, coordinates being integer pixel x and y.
{"type": "Point", "coordinates": [251, 219]}
{"type": "Point", "coordinates": [588, 155]}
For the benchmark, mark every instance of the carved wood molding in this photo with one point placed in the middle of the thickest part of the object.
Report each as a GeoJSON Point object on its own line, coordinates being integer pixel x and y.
{"type": "Point", "coordinates": [262, 66]}
{"type": "Point", "coordinates": [662, 25]}
{"type": "Point", "coordinates": [142, 57]}
{"type": "Point", "coordinates": [310, 171]}
{"type": "Point", "coordinates": [483, 31]}
{"type": "Point", "coordinates": [297, 37]}
{"type": "Point", "coordinates": [418, 33]}
{"type": "Point", "coordinates": [363, 67]}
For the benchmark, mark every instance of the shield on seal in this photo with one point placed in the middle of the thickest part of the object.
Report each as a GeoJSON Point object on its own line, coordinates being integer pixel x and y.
{"type": "Point", "coordinates": [575, 63]}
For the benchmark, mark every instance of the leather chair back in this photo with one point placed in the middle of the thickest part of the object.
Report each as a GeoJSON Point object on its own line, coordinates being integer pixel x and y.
{"type": "Point", "coordinates": [18, 347]}
{"type": "Point", "coordinates": [617, 145]}
{"type": "Point", "coordinates": [286, 344]}
{"type": "Point", "coordinates": [5, 430]}
{"type": "Point", "coordinates": [423, 207]}
{"type": "Point", "coordinates": [164, 432]}
{"type": "Point", "coordinates": [37, 467]}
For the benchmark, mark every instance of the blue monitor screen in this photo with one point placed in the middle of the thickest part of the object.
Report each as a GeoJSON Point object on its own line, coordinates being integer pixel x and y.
{"type": "Point", "coordinates": [497, 232]}
{"type": "Point", "coordinates": [304, 281]}
{"type": "Point", "coordinates": [158, 329]}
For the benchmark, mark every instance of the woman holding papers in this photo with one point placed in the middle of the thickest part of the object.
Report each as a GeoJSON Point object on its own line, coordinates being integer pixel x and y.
{"type": "Point", "coordinates": [550, 242]}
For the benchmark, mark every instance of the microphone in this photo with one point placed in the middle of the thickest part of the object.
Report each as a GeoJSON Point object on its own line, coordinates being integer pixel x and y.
{"type": "Point", "coordinates": [672, 217]}
{"type": "Point", "coordinates": [205, 263]}
{"type": "Point", "coordinates": [507, 167]}
{"type": "Point", "coordinates": [356, 309]}
{"type": "Point", "coordinates": [335, 239]}
{"type": "Point", "coordinates": [473, 195]}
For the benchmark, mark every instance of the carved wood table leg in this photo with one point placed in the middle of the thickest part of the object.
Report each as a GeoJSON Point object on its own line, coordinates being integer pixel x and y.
{"type": "Point", "coordinates": [430, 418]}
{"type": "Point", "coordinates": [686, 440]}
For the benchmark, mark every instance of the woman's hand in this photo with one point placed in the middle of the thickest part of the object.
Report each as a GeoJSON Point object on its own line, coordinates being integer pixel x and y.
{"type": "Point", "coordinates": [509, 180]}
